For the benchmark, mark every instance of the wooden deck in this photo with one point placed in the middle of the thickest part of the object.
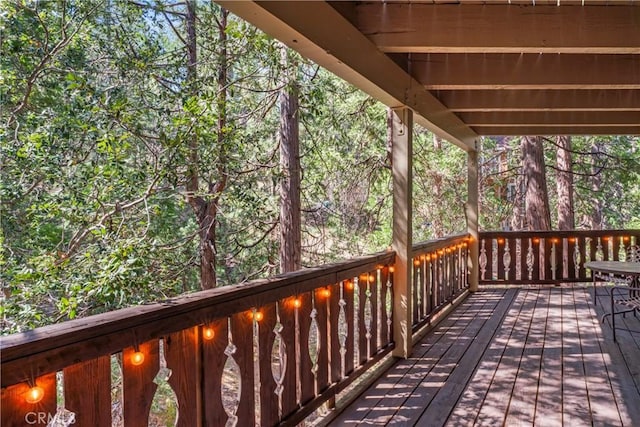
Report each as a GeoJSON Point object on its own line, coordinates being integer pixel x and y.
{"type": "Point", "coordinates": [512, 357]}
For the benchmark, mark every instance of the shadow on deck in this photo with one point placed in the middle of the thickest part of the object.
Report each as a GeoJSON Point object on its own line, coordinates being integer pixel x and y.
{"type": "Point", "coordinates": [513, 357]}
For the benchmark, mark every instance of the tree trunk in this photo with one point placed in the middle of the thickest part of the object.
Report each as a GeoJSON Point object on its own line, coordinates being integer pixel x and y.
{"type": "Point", "coordinates": [538, 214]}
{"type": "Point", "coordinates": [517, 216]}
{"type": "Point", "coordinates": [564, 184]}
{"type": "Point", "coordinates": [290, 234]}
{"type": "Point", "coordinates": [595, 219]}
{"type": "Point", "coordinates": [206, 207]}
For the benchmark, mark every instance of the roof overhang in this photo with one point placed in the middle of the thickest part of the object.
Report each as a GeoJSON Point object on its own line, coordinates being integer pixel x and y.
{"type": "Point", "coordinates": [468, 69]}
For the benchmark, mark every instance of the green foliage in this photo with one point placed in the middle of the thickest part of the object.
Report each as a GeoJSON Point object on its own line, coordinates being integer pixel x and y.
{"type": "Point", "coordinates": [106, 126]}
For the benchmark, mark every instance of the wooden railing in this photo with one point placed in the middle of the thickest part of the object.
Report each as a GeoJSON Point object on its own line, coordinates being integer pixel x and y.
{"type": "Point", "coordinates": [267, 352]}
{"type": "Point", "coordinates": [548, 257]}
{"type": "Point", "coordinates": [440, 274]}
{"type": "Point", "coordinates": [263, 353]}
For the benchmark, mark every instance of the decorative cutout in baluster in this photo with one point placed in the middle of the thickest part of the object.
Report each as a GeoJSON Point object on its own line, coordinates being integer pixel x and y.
{"type": "Point", "coordinates": [440, 270]}
{"type": "Point", "coordinates": [368, 310]}
{"type": "Point", "coordinates": [622, 251]}
{"type": "Point", "coordinates": [388, 302]}
{"type": "Point", "coordinates": [530, 259]}
{"type": "Point", "coordinates": [554, 261]}
{"type": "Point", "coordinates": [483, 261]}
{"type": "Point", "coordinates": [506, 260]}
{"type": "Point", "coordinates": [494, 259]}
{"type": "Point", "coordinates": [599, 251]}
{"type": "Point", "coordinates": [314, 340]}
{"type": "Point", "coordinates": [164, 409]}
{"type": "Point", "coordinates": [231, 385]}
{"type": "Point", "coordinates": [278, 358]}
{"type": "Point", "coordinates": [576, 256]}
{"type": "Point", "coordinates": [342, 328]}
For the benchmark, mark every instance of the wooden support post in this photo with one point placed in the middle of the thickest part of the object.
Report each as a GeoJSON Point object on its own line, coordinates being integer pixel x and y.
{"type": "Point", "coordinates": [472, 218]}
{"type": "Point", "coordinates": [402, 153]}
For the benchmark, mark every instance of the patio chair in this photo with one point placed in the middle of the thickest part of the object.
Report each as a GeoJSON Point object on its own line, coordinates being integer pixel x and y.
{"type": "Point", "coordinates": [627, 297]}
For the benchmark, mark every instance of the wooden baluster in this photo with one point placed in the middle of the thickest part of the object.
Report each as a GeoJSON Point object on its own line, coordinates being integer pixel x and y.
{"type": "Point", "coordinates": [87, 391]}
{"type": "Point", "coordinates": [182, 356]}
{"type": "Point", "coordinates": [490, 274]}
{"type": "Point", "coordinates": [348, 296]}
{"type": "Point", "coordinates": [373, 301]}
{"type": "Point", "coordinates": [500, 254]}
{"type": "Point", "coordinates": [416, 290]}
{"type": "Point", "coordinates": [434, 281]}
{"type": "Point", "coordinates": [447, 274]}
{"type": "Point", "coordinates": [322, 299]}
{"type": "Point", "coordinates": [524, 251]}
{"type": "Point", "coordinates": [572, 245]}
{"type": "Point", "coordinates": [556, 259]}
{"type": "Point", "coordinates": [428, 286]}
{"type": "Point", "coordinates": [138, 388]}
{"type": "Point", "coordinates": [213, 361]}
{"type": "Point", "coordinates": [582, 248]}
{"type": "Point", "coordinates": [17, 412]}
{"type": "Point", "coordinates": [289, 397]}
{"type": "Point", "coordinates": [242, 336]}
{"type": "Point", "coordinates": [384, 329]}
{"type": "Point", "coordinates": [307, 389]}
{"type": "Point", "coordinates": [269, 402]}
{"type": "Point", "coordinates": [616, 247]}
{"type": "Point", "coordinates": [362, 333]}
{"type": "Point", "coordinates": [512, 258]}
{"type": "Point", "coordinates": [425, 287]}
{"type": "Point", "coordinates": [535, 272]}
{"type": "Point", "coordinates": [546, 266]}
{"type": "Point", "coordinates": [335, 360]}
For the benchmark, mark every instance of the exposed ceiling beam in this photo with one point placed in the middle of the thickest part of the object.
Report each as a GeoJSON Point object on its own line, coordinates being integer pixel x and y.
{"type": "Point", "coordinates": [561, 118]}
{"type": "Point", "coordinates": [525, 71]}
{"type": "Point", "coordinates": [502, 28]}
{"type": "Point", "coordinates": [540, 100]}
{"type": "Point", "coordinates": [556, 130]}
{"type": "Point", "coordinates": [333, 42]}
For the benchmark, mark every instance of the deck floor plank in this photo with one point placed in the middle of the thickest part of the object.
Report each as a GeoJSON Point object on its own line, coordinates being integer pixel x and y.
{"type": "Point", "coordinates": [469, 404]}
{"type": "Point", "coordinates": [596, 371]}
{"type": "Point", "coordinates": [381, 401]}
{"type": "Point", "coordinates": [523, 400]}
{"type": "Point", "coordinates": [459, 376]}
{"type": "Point", "coordinates": [575, 400]}
{"type": "Point", "coordinates": [527, 356]}
{"type": "Point", "coordinates": [548, 408]}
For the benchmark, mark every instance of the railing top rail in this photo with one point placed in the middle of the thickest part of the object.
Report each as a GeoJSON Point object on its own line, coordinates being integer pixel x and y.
{"type": "Point", "coordinates": [443, 242]}
{"type": "Point", "coordinates": [60, 345]}
{"type": "Point", "coordinates": [557, 233]}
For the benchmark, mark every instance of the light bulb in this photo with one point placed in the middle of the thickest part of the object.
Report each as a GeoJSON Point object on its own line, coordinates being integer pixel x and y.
{"type": "Point", "coordinates": [326, 293]}
{"type": "Point", "coordinates": [258, 316]}
{"type": "Point", "coordinates": [208, 333]}
{"type": "Point", "coordinates": [297, 303]}
{"type": "Point", "coordinates": [137, 358]}
{"type": "Point", "coordinates": [35, 394]}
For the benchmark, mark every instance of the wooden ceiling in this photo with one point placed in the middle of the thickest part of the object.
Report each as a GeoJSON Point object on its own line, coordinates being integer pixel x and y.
{"type": "Point", "coordinates": [470, 68]}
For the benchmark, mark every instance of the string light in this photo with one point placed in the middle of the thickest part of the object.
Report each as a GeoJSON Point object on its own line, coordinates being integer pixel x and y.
{"type": "Point", "coordinates": [416, 262]}
{"type": "Point", "coordinates": [34, 394]}
{"type": "Point", "coordinates": [391, 269]}
{"type": "Point", "coordinates": [297, 303]}
{"type": "Point", "coordinates": [348, 284]}
{"type": "Point", "coordinates": [258, 316]}
{"type": "Point", "coordinates": [326, 293]}
{"type": "Point", "coordinates": [137, 358]}
{"type": "Point", "coordinates": [208, 333]}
